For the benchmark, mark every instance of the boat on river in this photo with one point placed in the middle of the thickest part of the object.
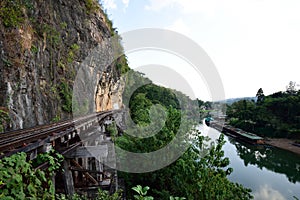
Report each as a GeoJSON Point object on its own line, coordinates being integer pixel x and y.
{"type": "Point", "coordinates": [237, 133]}
{"type": "Point", "coordinates": [207, 120]}
{"type": "Point", "coordinates": [296, 144]}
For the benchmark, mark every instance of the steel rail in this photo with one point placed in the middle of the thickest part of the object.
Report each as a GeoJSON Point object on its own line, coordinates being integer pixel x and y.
{"type": "Point", "coordinates": [19, 139]}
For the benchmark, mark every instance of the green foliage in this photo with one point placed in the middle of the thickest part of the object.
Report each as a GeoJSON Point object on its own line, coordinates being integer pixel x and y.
{"type": "Point", "coordinates": [34, 49]}
{"type": "Point", "coordinates": [75, 47]}
{"type": "Point", "coordinates": [163, 137]}
{"type": "Point", "coordinates": [177, 198]}
{"type": "Point", "coordinates": [204, 108]}
{"type": "Point", "coordinates": [56, 118]}
{"type": "Point", "coordinates": [72, 52]}
{"type": "Point", "coordinates": [7, 62]}
{"type": "Point", "coordinates": [106, 18]}
{"type": "Point", "coordinates": [73, 197]}
{"type": "Point", "coordinates": [291, 88]}
{"type": "Point", "coordinates": [52, 35]}
{"type": "Point", "coordinates": [91, 6]}
{"type": "Point", "coordinates": [133, 80]}
{"type": "Point", "coordinates": [61, 65]}
{"type": "Point", "coordinates": [211, 172]}
{"type": "Point", "coordinates": [20, 181]}
{"type": "Point", "coordinates": [104, 195]}
{"type": "Point", "coordinates": [11, 13]}
{"type": "Point", "coordinates": [63, 25]}
{"type": "Point", "coordinates": [109, 24]}
{"type": "Point", "coordinates": [200, 173]}
{"type": "Point", "coordinates": [142, 192]}
{"type": "Point", "coordinates": [139, 108]}
{"type": "Point", "coordinates": [82, 108]}
{"type": "Point", "coordinates": [158, 95]}
{"type": "Point", "coordinates": [53, 159]}
{"type": "Point", "coordinates": [113, 131]}
{"type": "Point", "coordinates": [277, 115]}
{"type": "Point", "coordinates": [4, 120]}
{"type": "Point", "coordinates": [66, 96]}
{"type": "Point", "coordinates": [260, 96]}
{"type": "Point", "coordinates": [122, 65]}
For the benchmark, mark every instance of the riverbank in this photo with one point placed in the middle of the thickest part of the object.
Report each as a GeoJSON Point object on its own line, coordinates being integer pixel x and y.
{"type": "Point", "coordinates": [283, 143]}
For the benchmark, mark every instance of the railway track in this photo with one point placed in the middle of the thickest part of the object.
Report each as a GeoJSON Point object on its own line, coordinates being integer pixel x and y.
{"type": "Point", "coordinates": [15, 141]}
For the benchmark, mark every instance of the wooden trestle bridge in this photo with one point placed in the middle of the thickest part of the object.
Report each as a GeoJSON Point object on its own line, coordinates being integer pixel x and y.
{"type": "Point", "coordinates": [84, 143]}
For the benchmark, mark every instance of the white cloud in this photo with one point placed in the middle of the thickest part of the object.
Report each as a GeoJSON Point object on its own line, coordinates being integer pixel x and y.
{"type": "Point", "coordinates": [256, 39]}
{"type": "Point", "coordinates": [109, 4]}
{"type": "Point", "coordinates": [180, 27]}
{"type": "Point", "coordinates": [196, 6]}
{"type": "Point", "coordinates": [157, 5]}
{"type": "Point", "coordinates": [186, 6]}
{"type": "Point", "coordinates": [126, 3]}
{"type": "Point", "coordinates": [267, 193]}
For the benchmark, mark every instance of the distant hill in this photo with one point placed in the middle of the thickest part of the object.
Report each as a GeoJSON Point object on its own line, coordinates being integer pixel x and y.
{"type": "Point", "coordinates": [232, 100]}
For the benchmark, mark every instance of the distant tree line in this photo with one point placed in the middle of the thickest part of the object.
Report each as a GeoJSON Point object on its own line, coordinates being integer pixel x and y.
{"type": "Point", "coordinates": [275, 115]}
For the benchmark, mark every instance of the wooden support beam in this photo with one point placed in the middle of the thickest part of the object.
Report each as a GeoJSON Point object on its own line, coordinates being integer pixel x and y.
{"type": "Point", "coordinates": [99, 167]}
{"type": "Point", "coordinates": [85, 170]}
{"type": "Point", "coordinates": [91, 178]}
{"type": "Point", "coordinates": [33, 154]}
{"type": "Point", "coordinates": [68, 179]}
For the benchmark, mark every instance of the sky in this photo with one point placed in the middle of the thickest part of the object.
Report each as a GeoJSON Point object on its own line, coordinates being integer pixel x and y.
{"type": "Point", "coordinates": [252, 43]}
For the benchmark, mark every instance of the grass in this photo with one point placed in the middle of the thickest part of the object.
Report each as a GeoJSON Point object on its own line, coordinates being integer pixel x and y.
{"type": "Point", "coordinates": [11, 13]}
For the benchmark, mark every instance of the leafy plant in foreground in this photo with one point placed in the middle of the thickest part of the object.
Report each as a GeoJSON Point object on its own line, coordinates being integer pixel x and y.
{"type": "Point", "coordinates": [142, 192]}
{"type": "Point", "coordinates": [19, 179]}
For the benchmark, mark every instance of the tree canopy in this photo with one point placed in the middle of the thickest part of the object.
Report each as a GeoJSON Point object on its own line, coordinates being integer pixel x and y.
{"type": "Point", "coordinates": [260, 96]}
{"type": "Point", "coordinates": [277, 115]}
{"type": "Point", "coordinates": [200, 173]}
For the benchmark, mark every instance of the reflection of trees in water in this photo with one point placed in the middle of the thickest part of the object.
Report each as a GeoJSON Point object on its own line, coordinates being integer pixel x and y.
{"type": "Point", "coordinates": [273, 159]}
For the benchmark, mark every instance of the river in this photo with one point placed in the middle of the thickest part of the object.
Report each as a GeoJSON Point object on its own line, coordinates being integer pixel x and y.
{"type": "Point", "coordinates": [271, 173]}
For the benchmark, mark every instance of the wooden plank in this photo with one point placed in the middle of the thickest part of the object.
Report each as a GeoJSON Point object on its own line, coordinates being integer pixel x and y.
{"type": "Point", "coordinates": [89, 152]}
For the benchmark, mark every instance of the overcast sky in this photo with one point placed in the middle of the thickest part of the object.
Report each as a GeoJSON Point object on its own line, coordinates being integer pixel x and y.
{"type": "Point", "coordinates": [253, 43]}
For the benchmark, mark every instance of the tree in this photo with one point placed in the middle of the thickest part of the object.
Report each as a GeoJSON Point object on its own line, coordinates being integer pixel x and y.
{"type": "Point", "coordinates": [276, 116]}
{"type": "Point", "coordinates": [291, 88]}
{"type": "Point", "coordinates": [260, 96]}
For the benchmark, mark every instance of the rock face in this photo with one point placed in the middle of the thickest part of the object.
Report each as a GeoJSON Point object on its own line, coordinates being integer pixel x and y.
{"type": "Point", "coordinates": [44, 45]}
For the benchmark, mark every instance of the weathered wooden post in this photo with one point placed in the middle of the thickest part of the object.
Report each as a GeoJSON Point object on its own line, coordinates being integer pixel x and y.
{"type": "Point", "coordinates": [68, 178]}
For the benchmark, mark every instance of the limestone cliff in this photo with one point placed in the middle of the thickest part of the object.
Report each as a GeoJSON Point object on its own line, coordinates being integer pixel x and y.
{"type": "Point", "coordinates": [44, 44]}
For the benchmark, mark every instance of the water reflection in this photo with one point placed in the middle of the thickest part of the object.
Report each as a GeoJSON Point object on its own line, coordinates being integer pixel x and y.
{"type": "Point", "coordinates": [266, 192]}
{"type": "Point", "coordinates": [273, 159]}
{"type": "Point", "coordinates": [271, 173]}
